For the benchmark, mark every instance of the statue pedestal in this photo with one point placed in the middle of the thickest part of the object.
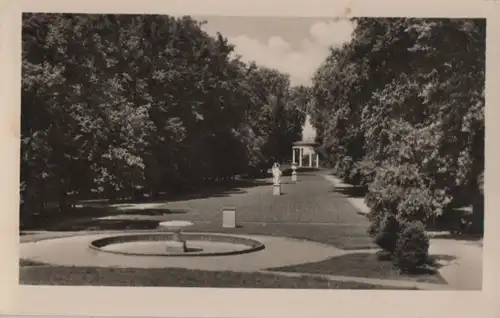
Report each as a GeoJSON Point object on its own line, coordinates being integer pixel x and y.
{"type": "Point", "coordinates": [294, 171]}
{"type": "Point", "coordinates": [176, 244]}
{"type": "Point", "coordinates": [276, 189]}
{"type": "Point", "coordinates": [229, 217]}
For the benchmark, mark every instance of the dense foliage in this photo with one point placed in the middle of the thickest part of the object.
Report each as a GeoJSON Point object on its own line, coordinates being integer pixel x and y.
{"type": "Point", "coordinates": [400, 109]}
{"type": "Point", "coordinates": [119, 105]}
{"type": "Point", "coordinates": [412, 248]}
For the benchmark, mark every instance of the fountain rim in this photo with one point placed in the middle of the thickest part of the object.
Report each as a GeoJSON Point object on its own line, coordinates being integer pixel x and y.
{"type": "Point", "coordinates": [252, 244]}
{"type": "Point", "coordinates": [175, 224]}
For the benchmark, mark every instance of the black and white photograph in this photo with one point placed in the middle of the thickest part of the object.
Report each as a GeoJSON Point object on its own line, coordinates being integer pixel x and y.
{"type": "Point", "coordinates": [252, 152]}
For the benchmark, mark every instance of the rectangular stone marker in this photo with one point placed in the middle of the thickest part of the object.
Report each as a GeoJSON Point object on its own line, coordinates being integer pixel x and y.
{"type": "Point", "coordinates": [294, 176]}
{"type": "Point", "coordinates": [229, 217]}
{"type": "Point", "coordinates": [276, 189]}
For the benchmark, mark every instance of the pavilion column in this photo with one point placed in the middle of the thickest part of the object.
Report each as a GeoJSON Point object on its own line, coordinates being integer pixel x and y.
{"type": "Point", "coordinates": [301, 154]}
{"type": "Point", "coordinates": [317, 160]}
{"type": "Point", "coordinates": [310, 159]}
{"type": "Point", "coordinates": [293, 155]}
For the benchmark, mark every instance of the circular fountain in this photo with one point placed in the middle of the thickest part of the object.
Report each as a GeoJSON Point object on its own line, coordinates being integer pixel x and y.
{"type": "Point", "coordinates": [171, 241]}
{"type": "Point", "coordinates": [177, 243]}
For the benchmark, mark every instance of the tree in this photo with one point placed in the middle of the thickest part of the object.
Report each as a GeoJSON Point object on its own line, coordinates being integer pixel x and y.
{"type": "Point", "coordinates": [401, 110]}
{"type": "Point", "coordinates": [275, 116]}
{"type": "Point", "coordinates": [118, 106]}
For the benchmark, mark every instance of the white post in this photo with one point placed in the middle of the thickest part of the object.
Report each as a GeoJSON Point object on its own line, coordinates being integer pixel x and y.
{"type": "Point", "coordinates": [229, 217]}
{"type": "Point", "coordinates": [310, 159]}
{"type": "Point", "coordinates": [317, 160]}
{"type": "Point", "coordinates": [276, 189]}
{"type": "Point", "coordinates": [293, 154]}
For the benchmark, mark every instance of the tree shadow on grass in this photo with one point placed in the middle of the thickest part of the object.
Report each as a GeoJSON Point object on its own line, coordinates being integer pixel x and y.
{"type": "Point", "coordinates": [106, 225]}
{"type": "Point", "coordinates": [52, 219]}
{"type": "Point", "coordinates": [136, 211]}
{"type": "Point", "coordinates": [306, 169]}
{"type": "Point", "coordinates": [89, 218]}
{"type": "Point", "coordinates": [217, 190]}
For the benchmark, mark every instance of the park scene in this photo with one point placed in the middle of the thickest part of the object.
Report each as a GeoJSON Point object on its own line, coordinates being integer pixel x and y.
{"type": "Point", "coordinates": [207, 152]}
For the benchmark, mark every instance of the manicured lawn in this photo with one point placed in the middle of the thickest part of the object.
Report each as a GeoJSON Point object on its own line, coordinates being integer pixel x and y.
{"type": "Point", "coordinates": [348, 237]}
{"type": "Point", "coordinates": [360, 265]}
{"type": "Point", "coordinates": [175, 277]}
{"type": "Point", "coordinates": [307, 210]}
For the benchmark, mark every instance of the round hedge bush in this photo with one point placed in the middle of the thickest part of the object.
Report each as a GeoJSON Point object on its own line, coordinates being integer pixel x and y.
{"type": "Point", "coordinates": [387, 234]}
{"type": "Point", "coordinates": [412, 247]}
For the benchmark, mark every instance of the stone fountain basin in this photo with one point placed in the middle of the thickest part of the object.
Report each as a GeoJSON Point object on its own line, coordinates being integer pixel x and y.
{"type": "Point", "coordinates": [153, 244]}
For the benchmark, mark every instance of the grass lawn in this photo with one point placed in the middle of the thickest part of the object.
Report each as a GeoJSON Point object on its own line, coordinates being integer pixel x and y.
{"type": "Point", "coordinates": [308, 210]}
{"type": "Point", "coordinates": [360, 265]}
{"type": "Point", "coordinates": [345, 237]}
{"type": "Point", "coordinates": [175, 277]}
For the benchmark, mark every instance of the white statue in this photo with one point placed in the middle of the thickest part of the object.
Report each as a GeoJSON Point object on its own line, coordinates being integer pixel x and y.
{"type": "Point", "coordinates": [276, 173]}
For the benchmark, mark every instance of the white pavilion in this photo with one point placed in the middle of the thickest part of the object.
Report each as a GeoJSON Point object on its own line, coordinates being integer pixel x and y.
{"type": "Point", "coordinates": [304, 150]}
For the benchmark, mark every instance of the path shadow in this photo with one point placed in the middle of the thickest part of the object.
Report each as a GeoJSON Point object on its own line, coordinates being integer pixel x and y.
{"type": "Point", "coordinates": [459, 236]}
{"type": "Point", "coordinates": [305, 169]}
{"type": "Point", "coordinates": [351, 191]}
{"type": "Point", "coordinates": [437, 260]}
{"type": "Point", "coordinates": [262, 175]}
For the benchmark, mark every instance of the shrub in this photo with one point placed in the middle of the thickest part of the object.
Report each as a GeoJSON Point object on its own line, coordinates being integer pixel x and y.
{"type": "Point", "coordinates": [383, 193]}
{"type": "Point", "coordinates": [363, 173]}
{"type": "Point", "coordinates": [343, 168]}
{"type": "Point", "coordinates": [387, 235]}
{"type": "Point", "coordinates": [418, 204]}
{"type": "Point", "coordinates": [412, 248]}
{"type": "Point", "coordinates": [375, 223]}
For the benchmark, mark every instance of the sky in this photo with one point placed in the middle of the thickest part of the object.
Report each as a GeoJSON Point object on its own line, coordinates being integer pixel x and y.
{"type": "Point", "coordinates": [296, 46]}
